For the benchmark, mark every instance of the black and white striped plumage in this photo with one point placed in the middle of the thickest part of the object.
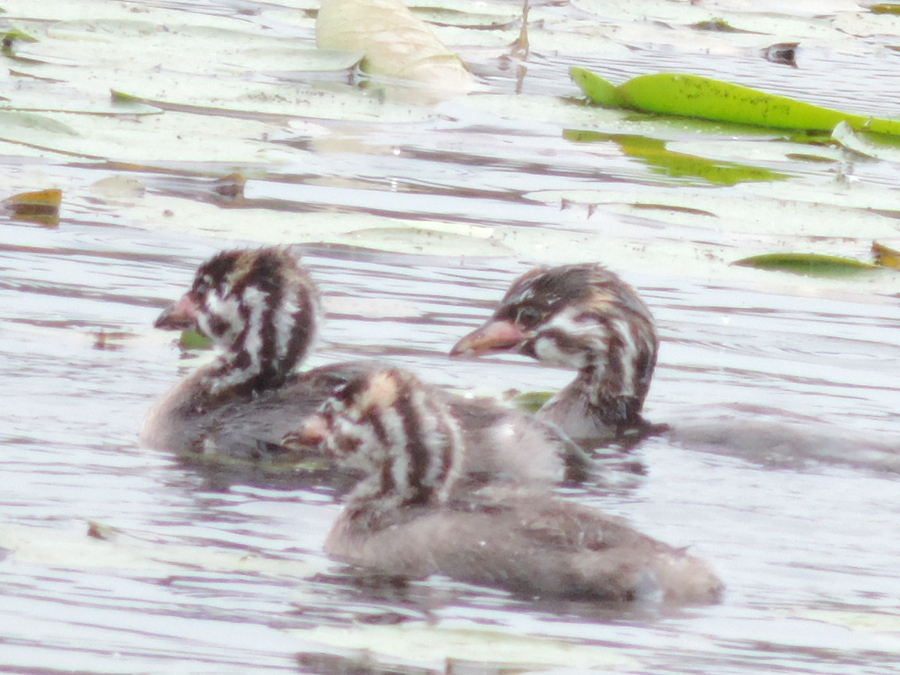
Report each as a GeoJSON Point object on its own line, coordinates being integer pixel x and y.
{"type": "Point", "coordinates": [504, 444]}
{"type": "Point", "coordinates": [400, 434]}
{"type": "Point", "coordinates": [584, 317]}
{"type": "Point", "coordinates": [262, 311]}
{"type": "Point", "coordinates": [414, 515]}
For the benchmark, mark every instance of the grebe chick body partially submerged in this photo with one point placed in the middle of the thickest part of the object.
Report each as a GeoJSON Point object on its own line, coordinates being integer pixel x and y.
{"type": "Point", "coordinates": [262, 311]}
{"type": "Point", "coordinates": [505, 445]}
{"type": "Point", "coordinates": [586, 318]}
{"type": "Point", "coordinates": [410, 517]}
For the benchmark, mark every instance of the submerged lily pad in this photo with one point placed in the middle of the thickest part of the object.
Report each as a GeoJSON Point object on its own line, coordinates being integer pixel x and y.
{"type": "Point", "coordinates": [871, 621]}
{"type": "Point", "coordinates": [439, 647]}
{"type": "Point", "coordinates": [81, 550]}
{"type": "Point", "coordinates": [172, 137]}
{"type": "Point", "coordinates": [705, 98]}
{"type": "Point", "coordinates": [676, 164]}
{"type": "Point", "coordinates": [810, 264]}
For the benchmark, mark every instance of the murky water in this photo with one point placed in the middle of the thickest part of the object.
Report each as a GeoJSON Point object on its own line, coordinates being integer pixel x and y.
{"type": "Point", "coordinates": [784, 478]}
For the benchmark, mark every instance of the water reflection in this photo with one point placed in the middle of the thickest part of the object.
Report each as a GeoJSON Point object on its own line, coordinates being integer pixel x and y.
{"type": "Point", "coordinates": [207, 571]}
{"type": "Point", "coordinates": [788, 543]}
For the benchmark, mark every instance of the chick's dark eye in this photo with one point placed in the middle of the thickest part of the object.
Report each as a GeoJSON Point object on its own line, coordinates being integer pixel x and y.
{"type": "Point", "coordinates": [202, 285]}
{"type": "Point", "coordinates": [332, 407]}
{"type": "Point", "coordinates": [528, 317]}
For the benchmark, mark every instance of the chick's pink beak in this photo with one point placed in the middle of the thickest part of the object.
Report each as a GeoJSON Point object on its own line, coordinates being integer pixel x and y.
{"type": "Point", "coordinates": [494, 336]}
{"type": "Point", "coordinates": [179, 315]}
{"type": "Point", "coordinates": [310, 435]}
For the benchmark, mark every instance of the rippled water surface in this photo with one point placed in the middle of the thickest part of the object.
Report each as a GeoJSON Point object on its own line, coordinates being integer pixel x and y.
{"type": "Point", "coordinates": [781, 468]}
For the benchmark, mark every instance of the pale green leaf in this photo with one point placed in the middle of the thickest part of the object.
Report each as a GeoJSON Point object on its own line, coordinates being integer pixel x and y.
{"type": "Point", "coordinates": [705, 98]}
{"type": "Point", "coordinates": [809, 264]}
{"type": "Point", "coordinates": [601, 92]}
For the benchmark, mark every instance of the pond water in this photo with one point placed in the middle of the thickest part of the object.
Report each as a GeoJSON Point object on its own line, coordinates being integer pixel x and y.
{"type": "Point", "coordinates": [782, 469]}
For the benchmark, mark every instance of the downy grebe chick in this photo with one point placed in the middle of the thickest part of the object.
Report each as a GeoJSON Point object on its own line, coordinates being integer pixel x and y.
{"type": "Point", "coordinates": [583, 317]}
{"type": "Point", "coordinates": [410, 517]}
{"type": "Point", "coordinates": [505, 444]}
{"type": "Point", "coordinates": [261, 311]}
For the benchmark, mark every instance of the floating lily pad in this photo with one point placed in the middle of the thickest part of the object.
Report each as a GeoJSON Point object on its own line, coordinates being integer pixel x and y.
{"type": "Point", "coordinates": [599, 91]}
{"type": "Point", "coordinates": [172, 137]}
{"type": "Point", "coordinates": [55, 97]}
{"type": "Point", "coordinates": [705, 98]}
{"type": "Point", "coordinates": [10, 41]}
{"type": "Point", "coordinates": [192, 339]}
{"type": "Point", "coordinates": [810, 264]}
{"type": "Point", "coordinates": [530, 401]}
{"type": "Point", "coordinates": [885, 8]}
{"type": "Point", "coordinates": [717, 26]}
{"type": "Point", "coordinates": [884, 148]}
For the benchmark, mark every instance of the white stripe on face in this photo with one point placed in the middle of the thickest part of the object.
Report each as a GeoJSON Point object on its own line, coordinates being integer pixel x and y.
{"type": "Point", "coordinates": [571, 339]}
{"type": "Point", "coordinates": [228, 311]}
{"type": "Point", "coordinates": [628, 357]}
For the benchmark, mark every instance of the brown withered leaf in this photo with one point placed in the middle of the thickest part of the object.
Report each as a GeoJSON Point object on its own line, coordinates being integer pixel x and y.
{"type": "Point", "coordinates": [41, 207]}
{"type": "Point", "coordinates": [885, 256]}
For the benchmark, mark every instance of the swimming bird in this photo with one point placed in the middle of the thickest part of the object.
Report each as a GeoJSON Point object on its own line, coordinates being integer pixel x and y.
{"type": "Point", "coordinates": [587, 318]}
{"type": "Point", "coordinates": [412, 514]}
{"type": "Point", "coordinates": [261, 310]}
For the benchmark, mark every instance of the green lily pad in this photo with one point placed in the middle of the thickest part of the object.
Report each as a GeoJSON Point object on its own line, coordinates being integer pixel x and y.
{"type": "Point", "coordinates": [717, 26]}
{"type": "Point", "coordinates": [10, 42]}
{"type": "Point", "coordinates": [530, 401]}
{"type": "Point", "coordinates": [885, 8]}
{"type": "Point", "coordinates": [810, 264]}
{"type": "Point", "coordinates": [599, 91]}
{"type": "Point", "coordinates": [191, 338]}
{"type": "Point", "coordinates": [705, 98]}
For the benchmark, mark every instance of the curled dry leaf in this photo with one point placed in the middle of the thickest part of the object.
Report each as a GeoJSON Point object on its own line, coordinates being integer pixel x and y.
{"type": "Point", "coordinates": [396, 43]}
{"type": "Point", "coordinates": [40, 207]}
{"type": "Point", "coordinates": [885, 256]}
